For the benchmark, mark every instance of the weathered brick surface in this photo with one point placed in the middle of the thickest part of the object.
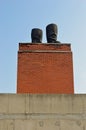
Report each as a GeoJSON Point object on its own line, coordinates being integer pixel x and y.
{"type": "Point", "coordinates": [49, 71]}
{"type": "Point", "coordinates": [30, 46]}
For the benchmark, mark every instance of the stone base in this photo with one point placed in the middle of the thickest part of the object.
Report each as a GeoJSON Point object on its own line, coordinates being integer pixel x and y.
{"type": "Point", "coordinates": [42, 112]}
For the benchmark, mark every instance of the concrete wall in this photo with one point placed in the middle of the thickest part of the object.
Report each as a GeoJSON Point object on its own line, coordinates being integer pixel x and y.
{"type": "Point", "coordinates": [42, 112]}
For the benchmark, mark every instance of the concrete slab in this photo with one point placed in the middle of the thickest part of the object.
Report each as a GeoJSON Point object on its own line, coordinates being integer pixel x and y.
{"type": "Point", "coordinates": [3, 103]}
{"type": "Point", "coordinates": [17, 103]}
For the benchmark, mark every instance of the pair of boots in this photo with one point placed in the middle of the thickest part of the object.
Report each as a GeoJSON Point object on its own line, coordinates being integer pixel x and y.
{"type": "Point", "coordinates": [51, 34]}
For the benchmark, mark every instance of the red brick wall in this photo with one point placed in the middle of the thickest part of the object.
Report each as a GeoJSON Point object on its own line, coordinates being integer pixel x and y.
{"type": "Point", "coordinates": [45, 68]}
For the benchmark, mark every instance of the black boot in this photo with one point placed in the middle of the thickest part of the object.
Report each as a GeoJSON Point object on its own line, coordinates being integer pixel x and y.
{"type": "Point", "coordinates": [51, 33]}
{"type": "Point", "coordinates": [36, 35]}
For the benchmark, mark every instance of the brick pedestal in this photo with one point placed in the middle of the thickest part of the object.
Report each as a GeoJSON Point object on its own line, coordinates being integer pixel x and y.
{"type": "Point", "coordinates": [45, 68]}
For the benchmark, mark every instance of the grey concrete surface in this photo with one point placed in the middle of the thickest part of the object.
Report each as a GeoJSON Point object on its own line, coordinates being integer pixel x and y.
{"type": "Point", "coordinates": [42, 112]}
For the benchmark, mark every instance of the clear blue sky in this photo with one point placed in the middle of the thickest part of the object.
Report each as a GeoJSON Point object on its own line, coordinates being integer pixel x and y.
{"type": "Point", "coordinates": [18, 17]}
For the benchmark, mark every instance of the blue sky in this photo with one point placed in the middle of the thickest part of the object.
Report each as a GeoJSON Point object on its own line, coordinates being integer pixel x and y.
{"type": "Point", "coordinates": [18, 17]}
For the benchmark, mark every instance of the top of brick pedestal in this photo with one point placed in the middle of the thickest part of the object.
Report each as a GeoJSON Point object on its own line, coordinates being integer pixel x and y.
{"type": "Point", "coordinates": [44, 46]}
